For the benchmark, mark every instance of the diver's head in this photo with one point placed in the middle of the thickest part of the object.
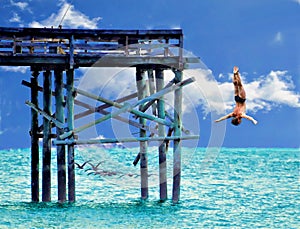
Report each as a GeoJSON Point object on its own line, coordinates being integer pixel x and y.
{"type": "Point", "coordinates": [236, 121]}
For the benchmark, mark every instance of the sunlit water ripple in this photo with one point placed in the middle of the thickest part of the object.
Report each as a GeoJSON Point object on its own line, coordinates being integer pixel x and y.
{"type": "Point", "coordinates": [242, 188]}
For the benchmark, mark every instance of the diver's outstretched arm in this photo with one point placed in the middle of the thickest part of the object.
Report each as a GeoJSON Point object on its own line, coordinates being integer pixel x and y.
{"type": "Point", "coordinates": [224, 117]}
{"type": "Point", "coordinates": [249, 118]}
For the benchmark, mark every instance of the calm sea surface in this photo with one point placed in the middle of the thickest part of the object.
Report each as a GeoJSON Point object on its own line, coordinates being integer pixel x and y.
{"type": "Point", "coordinates": [235, 188]}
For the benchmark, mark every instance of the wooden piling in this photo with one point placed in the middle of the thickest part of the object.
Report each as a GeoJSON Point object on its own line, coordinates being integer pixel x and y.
{"type": "Point", "coordinates": [61, 157]}
{"type": "Point", "coordinates": [141, 86]}
{"type": "Point", "coordinates": [70, 120]}
{"type": "Point", "coordinates": [34, 140]}
{"type": "Point", "coordinates": [46, 173]}
{"type": "Point", "coordinates": [152, 88]}
{"type": "Point", "coordinates": [63, 49]}
{"type": "Point", "coordinates": [159, 74]}
{"type": "Point", "coordinates": [177, 142]}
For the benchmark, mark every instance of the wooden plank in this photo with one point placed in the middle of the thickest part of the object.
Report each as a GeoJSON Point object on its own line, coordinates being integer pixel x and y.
{"type": "Point", "coordinates": [61, 154]}
{"type": "Point", "coordinates": [34, 140]}
{"type": "Point", "coordinates": [164, 91]}
{"type": "Point", "coordinates": [46, 169]}
{"type": "Point", "coordinates": [123, 109]}
{"type": "Point", "coordinates": [152, 90]}
{"type": "Point", "coordinates": [6, 44]}
{"type": "Point", "coordinates": [129, 107]}
{"type": "Point", "coordinates": [92, 34]}
{"type": "Point", "coordinates": [122, 140]}
{"type": "Point", "coordinates": [71, 53]}
{"type": "Point", "coordinates": [88, 60]}
{"type": "Point", "coordinates": [99, 109]}
{"type": "Point", "coordinates": [118, 105]}
{"type": "Point", "coordinates": [97, 46]}
{"type": "Point", "coordinates": [125, 120]}
{"type": "Point", "coordinates": [45, 115]}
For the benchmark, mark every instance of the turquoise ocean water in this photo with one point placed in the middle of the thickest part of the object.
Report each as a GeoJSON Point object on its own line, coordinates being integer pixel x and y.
{"type": "Point", "coordinates": [240, 188]}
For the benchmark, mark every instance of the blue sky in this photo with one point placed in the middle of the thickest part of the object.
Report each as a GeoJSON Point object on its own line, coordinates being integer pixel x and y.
{"type": "Point", "coordinates": [260, 36]}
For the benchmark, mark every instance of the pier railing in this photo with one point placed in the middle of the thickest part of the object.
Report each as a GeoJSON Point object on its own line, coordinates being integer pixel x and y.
{"type": "Point", "coordinates": [79, 47]}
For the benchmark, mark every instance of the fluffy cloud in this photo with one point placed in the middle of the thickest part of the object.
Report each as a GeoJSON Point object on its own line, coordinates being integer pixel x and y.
{"type": "Point", "coordinates": [72, 18]}
{"type": "Point", "coordinates": [298, 1]}
{"type": "Point", "coordinates": [16, 18]}
{"type": "Point", "coordinates": [20, 5]}
{"type": "Point", "coordinates": [264, 93]}
{"type": "Point", "coordinates": [278, 38]}
{"type": "Point", "coordinates": [21, 69]}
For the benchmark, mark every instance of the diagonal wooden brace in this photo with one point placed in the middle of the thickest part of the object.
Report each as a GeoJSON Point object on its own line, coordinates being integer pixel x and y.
{"type": "Point", "coordinates": [123, 109]}
{"type": "Point", "coordinates": [164, 91]}
{"type": "Point", "coordinates": [118, 105]}
{"type": "Point", "coordinates": [47, 116]}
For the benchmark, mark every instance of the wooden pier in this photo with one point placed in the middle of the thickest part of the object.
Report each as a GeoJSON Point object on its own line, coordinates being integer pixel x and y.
{"type": "Point", "coordinates": [57, 53]}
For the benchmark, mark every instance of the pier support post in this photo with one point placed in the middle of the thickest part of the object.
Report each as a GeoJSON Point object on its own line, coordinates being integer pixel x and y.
{"type": "Point", "coordinates": [161, 132]}
{"type": "Point", "coordinates": [61, 157]}
{"type": "Point", "coordinates": [34, 140]}
{"type": "Point", "coordinates": [70, 118]}
{"type": "Point", "coordinates": [177, 143]}
{"type": "Point", "coordinates": [152, 88]}
{"type": "Point", "coordinates": [46, 178]}
{"type": "Point", "coordinates": [141, 88]}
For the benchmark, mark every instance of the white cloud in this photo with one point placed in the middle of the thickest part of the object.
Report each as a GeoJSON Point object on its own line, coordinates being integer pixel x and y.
{"type": "Point", "coordinates": [72, 19]}
{"type": "Point", "coordinates": [298, 1]}
{"type": "Point", "coordinates": [16, 18]}
{"type": "Point", "coordinates": [21, 69]}
{"type": "Point", "coordinates": [278, 38]}
{"type": "Point", "coordinates": [264, 93]}
{"type": "Point", "coordinates": [20, 5]}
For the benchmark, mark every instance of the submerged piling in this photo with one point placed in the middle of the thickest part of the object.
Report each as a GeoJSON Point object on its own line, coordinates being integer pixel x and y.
{"type": "Point", "coordinates": [34, 140]}
{"type": "Point", "coordinates": [70, 120]}
{"type": "Point", "coordinates": [161, 132]}
{"type": "Point", "coordinates": [46, 179]}
{"type": "Point", "coordinates": [177, 142]}
{"type": "Point", "coordinates": [141, 87]}
{"type": "Point", "coordinates": [61, 154]}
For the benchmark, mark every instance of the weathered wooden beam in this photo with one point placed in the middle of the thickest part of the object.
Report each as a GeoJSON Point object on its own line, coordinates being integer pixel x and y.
{"type": "Point", "coordinates": [141, 84]}
{"type": "Point", "coordinates": [34, 140]}
{"type": "Point", "coordinates": [45, 115]}
{"type": "Point", "coordinates": [92, 34]}
{"type": "Point", "coordinates": [99, 109]}
{"type": "Point", "coordinates": [88, 60]}
{"type": "Point", "coordinates": [152, 97]}
{"type": "Point", "coordinates": [71, 53]}
{"type": "Point", "coordinates": [149, 104]}
{"type": "Point", "coordinates": [122, 140]}
{"type": "Point", "coordinates": [164, 91]}
{"type": "Point", "coordinates": [125, 120]}
{"type": "Point", "coordinates": [183, 129]}
{"type": "Point", "coordinates": [46, 178]}
{"type": "Point", "coordinates": [70, 120]}
{"type": "Point", "coordinates": [118, 105]}
{"type": "Point", "coordinates": [162, 145]}
{"type": "Point", "coordinates": [123, 109]}
{"type": "Point", "coordinates": [91, 109]}
{"type": "Point", "coordinates": [152, 88]}
{"type": "Point", "coordinates": [61, 154]}
{"type": "Point", "coordinates": [177, 142]}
